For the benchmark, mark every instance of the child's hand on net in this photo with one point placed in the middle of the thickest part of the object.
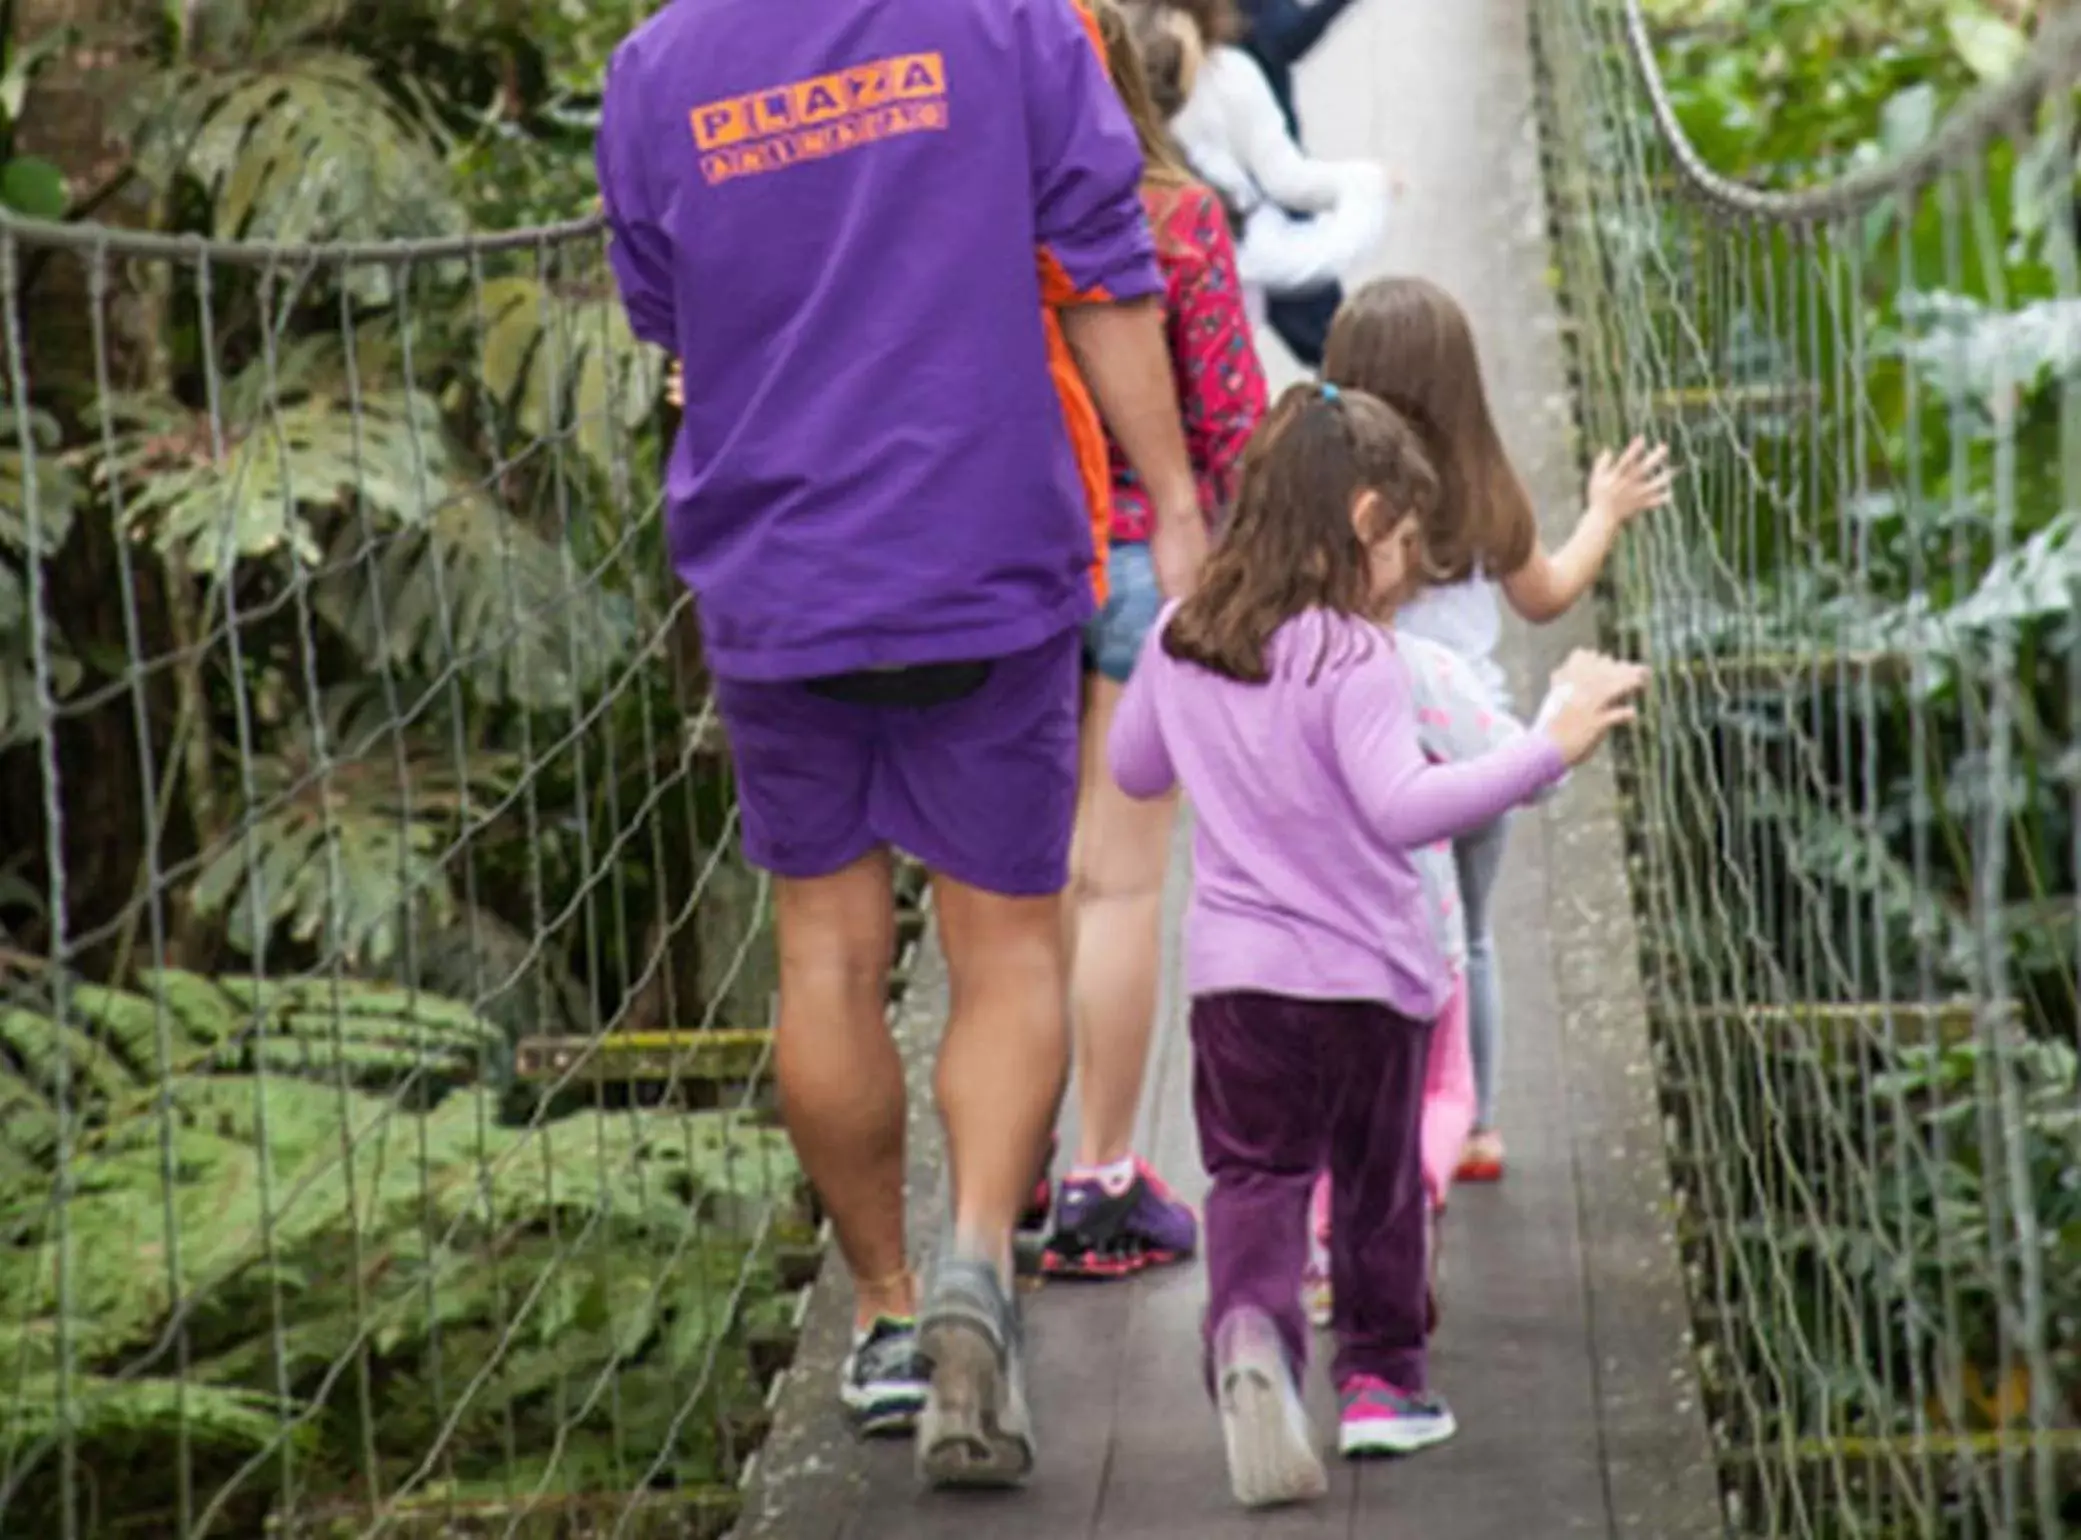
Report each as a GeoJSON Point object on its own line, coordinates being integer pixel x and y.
{"type": "Point", "coordinates": [1590, 695]}
{"type": "Point", "coordinates": [675, 387]}
{"type": "Point", "coordinates": [1630, 482]}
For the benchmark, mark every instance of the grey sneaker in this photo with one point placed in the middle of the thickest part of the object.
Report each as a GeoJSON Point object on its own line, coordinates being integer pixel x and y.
{"type": "Point", "coordinates": [976, 1430]}
{"type": "Point", "coordinates": [1272, 1457]}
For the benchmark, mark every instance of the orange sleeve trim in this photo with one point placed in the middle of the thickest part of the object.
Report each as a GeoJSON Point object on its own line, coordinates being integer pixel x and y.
{"type": "Point", "coordinates": [1087, 442]}
{"type": "Point", "coordinates": [1091, 30]}
{"type": "Point", "coordinates": [1059, 289]}
{"type": "Point", "coordinates": [1087, 438]}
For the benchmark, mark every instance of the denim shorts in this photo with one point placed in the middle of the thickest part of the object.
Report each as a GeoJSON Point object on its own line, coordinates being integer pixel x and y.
{"type": "Point", "coordinates": [1113, 637]}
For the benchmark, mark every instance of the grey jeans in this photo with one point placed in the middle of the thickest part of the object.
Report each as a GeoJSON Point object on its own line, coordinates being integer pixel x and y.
{"type": "Point", "coordinates": [1479, 857]}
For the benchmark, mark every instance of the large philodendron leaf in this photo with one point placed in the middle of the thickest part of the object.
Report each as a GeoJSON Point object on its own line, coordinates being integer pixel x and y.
{"type": "Point", "coordinates": [478, 591]}
{"type": "Point", "coordinates": [206, 500]}
{"type": "Point", "coordinates": [309, 148]}
{"type": "Point", "coordinates": [562, 359]}
{"type": "Point", "coordinates": [340, 862]}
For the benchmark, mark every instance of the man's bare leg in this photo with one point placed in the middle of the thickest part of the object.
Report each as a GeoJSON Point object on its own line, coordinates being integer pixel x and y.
{"type": "Point", "coordinates": [1005, 1056]}
{"type": "Point", "coordinates": [841, 1082]}
{"type": "Point", "coordinates": [1001, 1072]}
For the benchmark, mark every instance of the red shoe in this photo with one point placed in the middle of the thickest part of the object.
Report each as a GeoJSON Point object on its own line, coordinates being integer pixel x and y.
{"type": "Point", "coordinates": [1482, 1161]}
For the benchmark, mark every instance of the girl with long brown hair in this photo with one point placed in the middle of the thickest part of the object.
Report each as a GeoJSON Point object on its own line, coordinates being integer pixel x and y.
{"type": "Point", "coordinates": [1275, 698]}
{"type": "Point", "coordinates": [1407, 341]}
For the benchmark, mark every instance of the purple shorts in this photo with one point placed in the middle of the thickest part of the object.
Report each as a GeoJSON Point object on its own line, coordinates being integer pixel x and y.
{"type": "Point", "coordinates": [981, 788]}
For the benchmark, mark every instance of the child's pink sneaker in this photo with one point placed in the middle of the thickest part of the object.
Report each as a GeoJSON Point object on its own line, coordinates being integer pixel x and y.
{"type": "Point", "coordinates": [1378, 1419]}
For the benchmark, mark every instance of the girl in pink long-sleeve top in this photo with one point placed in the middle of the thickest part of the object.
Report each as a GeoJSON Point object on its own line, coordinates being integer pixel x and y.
{"type": "Point", "coordinates": [1286, 713]}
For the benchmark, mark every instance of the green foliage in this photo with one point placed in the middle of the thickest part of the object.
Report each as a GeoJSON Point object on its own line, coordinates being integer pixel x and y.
{"type": "Point", "coordinates": [1787, 92]}
{"type": "Point", "coordinates": [561, 358]}
{"type": "Point", "coordinates": [206, 494]}
{"type": "Point", "coordinates": [30, 185]}
{"type": "Point", "coordinates": [569, 1280]}
{"type": "Point", "coordinates": [252, 136]}
{"type": "Point", "coordinates": [331, 872]}
{"type": "Point", "coordinates": [1934, 1275]}
{"type": "Point", "coordinates": [33, 525]}
{"type": "Point", "coordinates": [480, 592]}
{"type": "Point", "coordinates": [33, 187]}
{"type": "Point", "coordinates": [391, 662]}
{"type": "Point", "coordinates": [1902, 524]}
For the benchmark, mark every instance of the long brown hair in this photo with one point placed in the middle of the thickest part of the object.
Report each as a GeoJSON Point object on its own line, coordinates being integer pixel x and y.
{"type": "Point", "coordinates": [1290, 545]}
{"type": "Point", "coordinates": [1407, 341]}
{"type": "Point", "coordinates": [1163, 165]}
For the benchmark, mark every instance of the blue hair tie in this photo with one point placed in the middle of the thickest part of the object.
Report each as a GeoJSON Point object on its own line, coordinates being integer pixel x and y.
{"type": "Point", "coordinates": [1330, 392]}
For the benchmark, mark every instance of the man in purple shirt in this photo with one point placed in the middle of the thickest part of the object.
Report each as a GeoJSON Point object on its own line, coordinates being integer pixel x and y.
{"type": "Point", "coordinates": [840, 217]}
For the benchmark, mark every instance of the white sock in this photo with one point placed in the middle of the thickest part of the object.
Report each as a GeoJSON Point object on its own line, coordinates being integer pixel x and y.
{"type": "Point", "coordinates": [1114, 1177]}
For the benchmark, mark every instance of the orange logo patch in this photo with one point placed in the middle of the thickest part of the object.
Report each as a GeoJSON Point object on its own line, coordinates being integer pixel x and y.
{"type": "Point", "coordinates": [771, 130]}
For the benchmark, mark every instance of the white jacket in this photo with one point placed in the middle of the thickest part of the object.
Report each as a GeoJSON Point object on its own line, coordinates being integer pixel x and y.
{"type": "Point", "coordinates": [1232, 132]}
{"type": "Point", "coordinates": [1279, 254]}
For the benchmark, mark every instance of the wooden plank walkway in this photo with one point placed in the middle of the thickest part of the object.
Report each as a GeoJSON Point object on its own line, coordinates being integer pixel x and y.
{"type": "Point", "coordinates": [1563, 1347]}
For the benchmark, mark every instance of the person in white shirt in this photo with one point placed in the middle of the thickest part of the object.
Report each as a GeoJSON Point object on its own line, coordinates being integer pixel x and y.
{"type": "Point", "coordinates": [1407, 341]}
{"type": "Point", "coordinates": [1301, 223]}
{"type": "Point", "coordinates": [1279, 34]}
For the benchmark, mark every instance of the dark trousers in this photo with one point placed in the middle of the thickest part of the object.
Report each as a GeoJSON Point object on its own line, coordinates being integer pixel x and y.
{"type": "Point", "coordinates": [1282, 33]}
{"type": "Point", "coordinates": [1282, 1088]}
{"type": "Point", "coordinates": [1303, 321]}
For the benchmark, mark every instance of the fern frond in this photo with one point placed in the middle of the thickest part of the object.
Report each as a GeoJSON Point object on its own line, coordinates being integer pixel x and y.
{"type": "Point", "coordinates": [28, 1123]}
{"type": "Point", "coordinates": [369, 1035]}
{"type": "Point", "coordinates": [105, 1407]}
{"type": "Point", "coordinates": [149, 1039]}
{"type": "Point", "coordinates": [654, 1170]}
{"type": "Point", "coordinates": [48, 1051]}
{"type": "Point", "coordinates": [30, 539]}
{"type": "Point", "coordinates": [207, 1015]}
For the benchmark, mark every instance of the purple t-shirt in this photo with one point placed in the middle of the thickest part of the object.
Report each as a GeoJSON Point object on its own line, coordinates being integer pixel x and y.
{"type": "Point", "coordinates": [836, 215]}
{"type": "Point", "coordinates": [1311, 794]}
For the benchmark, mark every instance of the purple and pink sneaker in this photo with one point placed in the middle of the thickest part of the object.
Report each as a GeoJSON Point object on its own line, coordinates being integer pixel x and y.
{"type": "Point", "coordinates": [1111, 1230]}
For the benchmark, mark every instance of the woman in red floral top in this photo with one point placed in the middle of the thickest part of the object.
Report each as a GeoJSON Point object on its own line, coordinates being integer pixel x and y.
{"type": "Point", "coordinates": [1113, 1216]}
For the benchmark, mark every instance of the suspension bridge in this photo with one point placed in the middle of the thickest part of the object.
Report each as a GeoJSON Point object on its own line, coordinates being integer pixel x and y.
{"type": "Point", "coordinates": [386, 1134]}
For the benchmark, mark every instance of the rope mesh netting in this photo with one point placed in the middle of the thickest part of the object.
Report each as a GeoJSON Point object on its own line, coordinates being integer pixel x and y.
{"type": "Point", "coordinates": [1853, 799]}
{"type": "Point", "coordinates": [386, 1140]}
{"type": "Point", "coordinates": [357, 774]}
